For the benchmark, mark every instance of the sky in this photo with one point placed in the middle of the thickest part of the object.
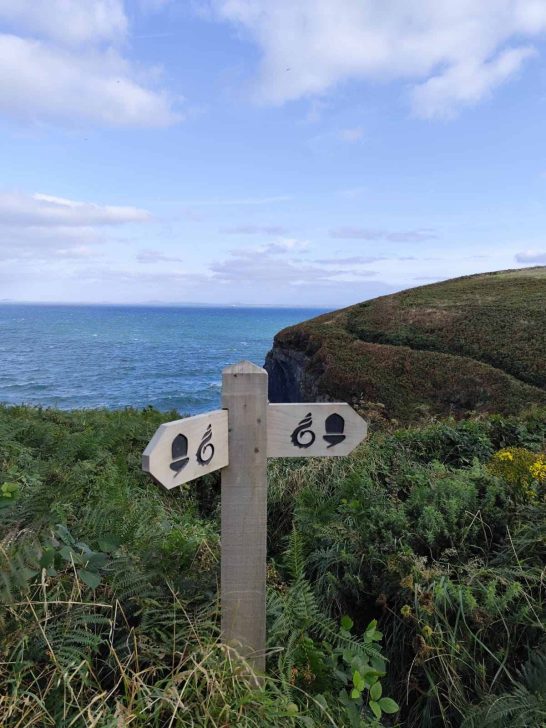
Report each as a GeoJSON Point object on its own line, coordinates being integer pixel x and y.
{"type": "Point", "coordinates": [308, 152]}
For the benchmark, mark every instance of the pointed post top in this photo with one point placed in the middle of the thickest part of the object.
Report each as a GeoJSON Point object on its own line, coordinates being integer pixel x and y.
{"type": "Point", "coordinates": [244, 367]}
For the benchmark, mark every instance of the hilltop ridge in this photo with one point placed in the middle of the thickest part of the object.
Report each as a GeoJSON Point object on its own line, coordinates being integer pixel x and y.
{"type": "Point", "coordinates": [475, 343]}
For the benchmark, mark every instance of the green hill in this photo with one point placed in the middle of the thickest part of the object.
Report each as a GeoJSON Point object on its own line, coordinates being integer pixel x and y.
{"type": "Point", "coordinates": [476, 343]}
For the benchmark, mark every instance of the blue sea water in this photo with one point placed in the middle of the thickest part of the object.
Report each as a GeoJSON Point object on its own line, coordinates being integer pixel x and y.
{"type": "Point", "coordinates": [117, 356]}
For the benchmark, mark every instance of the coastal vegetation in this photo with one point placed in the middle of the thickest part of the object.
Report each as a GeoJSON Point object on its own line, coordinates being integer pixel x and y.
{"type": "Point", "coordinates": [475, 343]}
{"type": "Point", "coordinates": [406, 582]}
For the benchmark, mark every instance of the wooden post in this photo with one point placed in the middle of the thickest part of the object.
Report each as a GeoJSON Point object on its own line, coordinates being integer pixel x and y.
{"type": "Point", "coordinates": [244, 512]}
{"type": "Point", "coordinates": [236, 440]}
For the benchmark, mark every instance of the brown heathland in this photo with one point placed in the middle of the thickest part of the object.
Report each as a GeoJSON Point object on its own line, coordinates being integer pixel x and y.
{"type": "Point", "coordinates": [476, 343]}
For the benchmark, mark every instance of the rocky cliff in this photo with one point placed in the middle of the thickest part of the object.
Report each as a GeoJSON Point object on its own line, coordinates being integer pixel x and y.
{"type": "Point", "coordinates": [476, 343]}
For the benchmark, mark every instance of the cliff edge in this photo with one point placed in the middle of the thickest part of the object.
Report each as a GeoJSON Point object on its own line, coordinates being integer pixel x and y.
{"type": "Point", "coordinates": [470, 344]}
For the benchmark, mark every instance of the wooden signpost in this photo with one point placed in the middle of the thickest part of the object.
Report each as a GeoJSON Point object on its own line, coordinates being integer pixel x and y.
{"type": "Point", "coordinates": [313, 430]}
{"type": "Point", "coordinates": [238, 439]}
{"type": "Point", "coordinates": [183, 450]}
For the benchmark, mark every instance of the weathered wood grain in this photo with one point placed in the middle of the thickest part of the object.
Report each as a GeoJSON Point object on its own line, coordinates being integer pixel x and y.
{"type": "Point", "coordinates": [313, 430]}
{"type": "Point", "coordinates": [244, 512]}
{"type": "Point", "coordinates": [207, 448]}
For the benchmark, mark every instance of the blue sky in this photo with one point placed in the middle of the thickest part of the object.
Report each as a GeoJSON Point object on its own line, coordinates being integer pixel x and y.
{"type": "Point", "coordinates": [271, 152]}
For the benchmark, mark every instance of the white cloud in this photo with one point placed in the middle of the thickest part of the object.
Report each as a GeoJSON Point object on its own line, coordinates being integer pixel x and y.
{"type": "Point", "coordinates": [40, 209]}
{"type": "Point", "coordinates": [226, 283]}
{"type": "Point", "coordinates": [532, 256]}
{"type": "Point", "coordinates": [68, 22]}
{"type": "Point", "coordinates": [267, 270]}
{"type": "Point", "coordinates": [156, 256]}
{"type": "Point", "coordinates": [49, 245]}
{"type": "Point", "coordinates": [455, 51]}
{"type": "Point", "coordinates": [274, 265]}
{"type": "Point", "coordinates": [80, 251]}
{"type": "Point", "coordinates": [280, 247]}
{"type": "Point", "coordinates": [466, 83]}
{"type": "Point", "coordinates": [351, 260]}
{"type": "Point", "coordinates": [317, 108]}
{"type": "Point", "coordinates": [254, 230]}
{"type": "Point", "coordinates": [285, 245]}
{"type": "Point", "coordinates": [40, 225]}
{"type": "Point", "coordinates": [393, 236]}
{"type": "Point", "coordinates": [61, 61]}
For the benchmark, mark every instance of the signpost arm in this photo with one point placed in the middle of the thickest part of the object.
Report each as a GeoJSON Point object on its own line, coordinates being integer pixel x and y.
{"type": "Point", "coordinates": [244, 511]}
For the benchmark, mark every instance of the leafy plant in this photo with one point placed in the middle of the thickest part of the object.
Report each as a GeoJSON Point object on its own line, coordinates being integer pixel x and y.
{"type": "Point", "coordinates": [524, 706]}
{"type": "Point", "coordinates": [8, 494]}
{"type": "Point", "coordinates": [408, 571]}
{"type": "Point", "coordinates": [322, 658]}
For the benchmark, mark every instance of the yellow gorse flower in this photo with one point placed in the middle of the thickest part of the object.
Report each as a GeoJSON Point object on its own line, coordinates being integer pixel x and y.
{"type": "Point", "coordinates": [538, 468]}
{"type": "Point", "coordinates": [522, 469]}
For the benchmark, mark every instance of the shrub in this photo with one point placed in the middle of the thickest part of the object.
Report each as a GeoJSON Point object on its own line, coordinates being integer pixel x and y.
{"type": "Point", "coordinates": [415, 558]}
{"type": "Point", "coordinates": [523, 470]}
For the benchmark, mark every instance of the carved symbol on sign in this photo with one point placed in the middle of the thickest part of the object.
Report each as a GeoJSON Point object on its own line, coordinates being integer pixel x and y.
{"type": "Point", "coordinates": [303, 436]}
{"type": "Point", "coordinates": [335, 424]}
{"type": "Point", "coordinates": [205, 451]}
{"type": "Point", "coordinates": [179, 450]}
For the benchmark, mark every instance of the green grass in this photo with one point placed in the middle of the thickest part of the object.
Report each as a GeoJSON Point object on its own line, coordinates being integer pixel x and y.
{"type": "Point", "coordinates": [109, 583]}
{"type": "Point", "coordinates": [470, 344]}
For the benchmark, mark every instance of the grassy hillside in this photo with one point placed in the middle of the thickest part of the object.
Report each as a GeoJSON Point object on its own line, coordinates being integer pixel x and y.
{"type": "Point", "coordinates": [108, 583]}
{"type": "Point", "coordinates": [473, 343]}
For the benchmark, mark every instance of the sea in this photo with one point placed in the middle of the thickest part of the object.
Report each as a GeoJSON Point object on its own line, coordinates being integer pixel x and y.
{"type": "Point", "coordinates": [76, 356]}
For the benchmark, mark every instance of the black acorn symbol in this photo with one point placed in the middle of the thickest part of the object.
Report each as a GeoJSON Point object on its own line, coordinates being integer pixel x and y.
{"type": "Point", "coordinates": [179, 450]}
{"type": "Point", "coordinates": [334, 425]}
{"type": "Point", "coordinates": [303, 436]}
{"type": "Point", "coordinates": [205, 451]}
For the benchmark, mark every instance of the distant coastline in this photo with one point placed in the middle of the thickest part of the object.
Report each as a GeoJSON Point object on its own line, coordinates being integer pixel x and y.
{"type": "Point", "coordinates": [158, 304]}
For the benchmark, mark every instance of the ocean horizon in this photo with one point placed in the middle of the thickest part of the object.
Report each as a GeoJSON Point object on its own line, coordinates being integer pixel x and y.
{"type": "Point", "coordinates": [114, 355]}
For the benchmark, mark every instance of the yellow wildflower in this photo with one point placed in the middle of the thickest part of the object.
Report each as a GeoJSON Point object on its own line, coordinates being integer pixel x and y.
{"type": "Point", "coordinates": [538, 469]}
{"type": "Point", "coordinates": [521, 469]}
